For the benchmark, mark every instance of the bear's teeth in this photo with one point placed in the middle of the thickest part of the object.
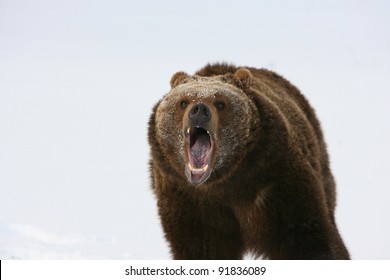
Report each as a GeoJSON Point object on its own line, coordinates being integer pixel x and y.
{"type": "Point", "coordinates": [193, 169]}
{"type": "Point", "coordinates": [189, 129]}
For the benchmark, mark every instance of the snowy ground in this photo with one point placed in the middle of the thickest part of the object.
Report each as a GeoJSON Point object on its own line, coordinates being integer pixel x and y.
{"type": "Point", "coordinates": [78, 81]}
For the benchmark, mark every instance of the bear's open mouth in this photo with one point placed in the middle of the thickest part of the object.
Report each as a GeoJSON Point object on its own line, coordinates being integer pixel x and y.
{"type": "Point", "coordinates": [199, 150]}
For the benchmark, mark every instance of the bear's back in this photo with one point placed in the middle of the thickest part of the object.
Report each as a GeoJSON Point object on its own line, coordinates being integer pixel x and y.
{"type": "Point", "coordinates": [300, 118]}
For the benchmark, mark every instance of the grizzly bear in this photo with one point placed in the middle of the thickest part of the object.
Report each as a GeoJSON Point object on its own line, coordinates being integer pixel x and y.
{"type": "Point", "coordinates": [239, 165]}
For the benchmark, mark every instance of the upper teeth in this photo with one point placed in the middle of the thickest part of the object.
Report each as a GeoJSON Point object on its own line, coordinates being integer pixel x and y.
{"type": "Point", "coordinates": [193, 169]}
{"type": "Point", "coordinates": [189, 129]}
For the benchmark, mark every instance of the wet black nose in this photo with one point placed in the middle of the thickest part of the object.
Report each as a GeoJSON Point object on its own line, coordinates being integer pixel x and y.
{"type": "Point", "coordinates": [199, 114]}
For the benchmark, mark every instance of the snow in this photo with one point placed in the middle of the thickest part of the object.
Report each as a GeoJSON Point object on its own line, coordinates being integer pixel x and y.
{"type": "Point", "coordinates": [78, 82]}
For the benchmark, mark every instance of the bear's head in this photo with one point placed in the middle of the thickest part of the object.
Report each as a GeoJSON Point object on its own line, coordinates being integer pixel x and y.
{"type": "Point", "coordinates": [203, 125]}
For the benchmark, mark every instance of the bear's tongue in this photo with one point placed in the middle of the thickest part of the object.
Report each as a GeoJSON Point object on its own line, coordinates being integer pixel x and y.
{"type": "Point", "coordinates": [199, 147]}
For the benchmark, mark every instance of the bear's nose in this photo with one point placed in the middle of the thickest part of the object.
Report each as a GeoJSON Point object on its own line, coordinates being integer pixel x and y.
{"type": "Point", "coordinates": [199, 114]}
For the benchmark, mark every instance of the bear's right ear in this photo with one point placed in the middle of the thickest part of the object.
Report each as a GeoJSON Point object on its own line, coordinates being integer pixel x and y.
{"type": "Point", "coordinates": [178, 79]}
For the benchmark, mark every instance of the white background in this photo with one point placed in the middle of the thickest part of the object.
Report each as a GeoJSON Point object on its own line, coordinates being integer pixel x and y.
{"type": "Point", "coordinates": [224, 269]}
{"type": "Point", "coordinates": [78, 80]}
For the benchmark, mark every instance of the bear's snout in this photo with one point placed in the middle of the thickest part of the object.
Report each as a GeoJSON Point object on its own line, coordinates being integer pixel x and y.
{"type": "Point", "coordinates": [199, 114]}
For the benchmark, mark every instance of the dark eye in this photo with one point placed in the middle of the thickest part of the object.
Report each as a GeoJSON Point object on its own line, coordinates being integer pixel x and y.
{"type": "Point", "coordinates": [183, 104]}
{"type": "Point", "coordinates": [219, 105]}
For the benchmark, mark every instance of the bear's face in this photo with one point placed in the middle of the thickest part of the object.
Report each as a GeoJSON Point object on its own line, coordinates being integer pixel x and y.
{"type": "Point", "coordinates": [203, 125]}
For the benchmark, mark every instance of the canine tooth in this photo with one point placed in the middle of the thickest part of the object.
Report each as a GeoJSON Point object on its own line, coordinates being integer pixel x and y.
{"type": "Point", "coordinates": [205, 167]}
{"type": "Point", "coordinates": [188, 130]}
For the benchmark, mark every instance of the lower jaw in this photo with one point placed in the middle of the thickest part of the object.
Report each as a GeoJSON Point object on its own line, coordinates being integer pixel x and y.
{"type": "Point", "coordinates": [198, 176]}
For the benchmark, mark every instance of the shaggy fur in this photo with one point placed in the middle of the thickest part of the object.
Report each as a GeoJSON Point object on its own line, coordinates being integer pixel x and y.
{"type": "Point", "coordinates": [239, 164]}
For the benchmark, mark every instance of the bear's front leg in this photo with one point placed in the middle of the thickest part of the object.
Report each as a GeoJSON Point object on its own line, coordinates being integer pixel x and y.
{"type": "Point", "coordinates": [301, 226]}
{"type": "Point", "coordinates": [197, 229]}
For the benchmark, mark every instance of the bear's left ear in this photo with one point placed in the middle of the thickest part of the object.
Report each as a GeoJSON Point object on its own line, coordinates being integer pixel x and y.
{"type": "Point", "coordinates": [178, 79]}
{"type": "Point", "coordinates": [242, 78]}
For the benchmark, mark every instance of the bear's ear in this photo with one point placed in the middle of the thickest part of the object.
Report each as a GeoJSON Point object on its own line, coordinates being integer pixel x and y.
{"type": "Point", "coordinates": [178, 79]}
{"type": "Point", "coordinates": [242, 78]}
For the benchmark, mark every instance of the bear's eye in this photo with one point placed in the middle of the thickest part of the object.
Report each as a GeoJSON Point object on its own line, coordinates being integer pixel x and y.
{"type": "Point", "coordinates": [183, 104]}
{"type": "Point", "coordinates": [219, 105]}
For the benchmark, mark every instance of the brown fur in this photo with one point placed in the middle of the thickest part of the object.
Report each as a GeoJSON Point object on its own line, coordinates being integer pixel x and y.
{"type": "Point", "coordinates": [270, 190]}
